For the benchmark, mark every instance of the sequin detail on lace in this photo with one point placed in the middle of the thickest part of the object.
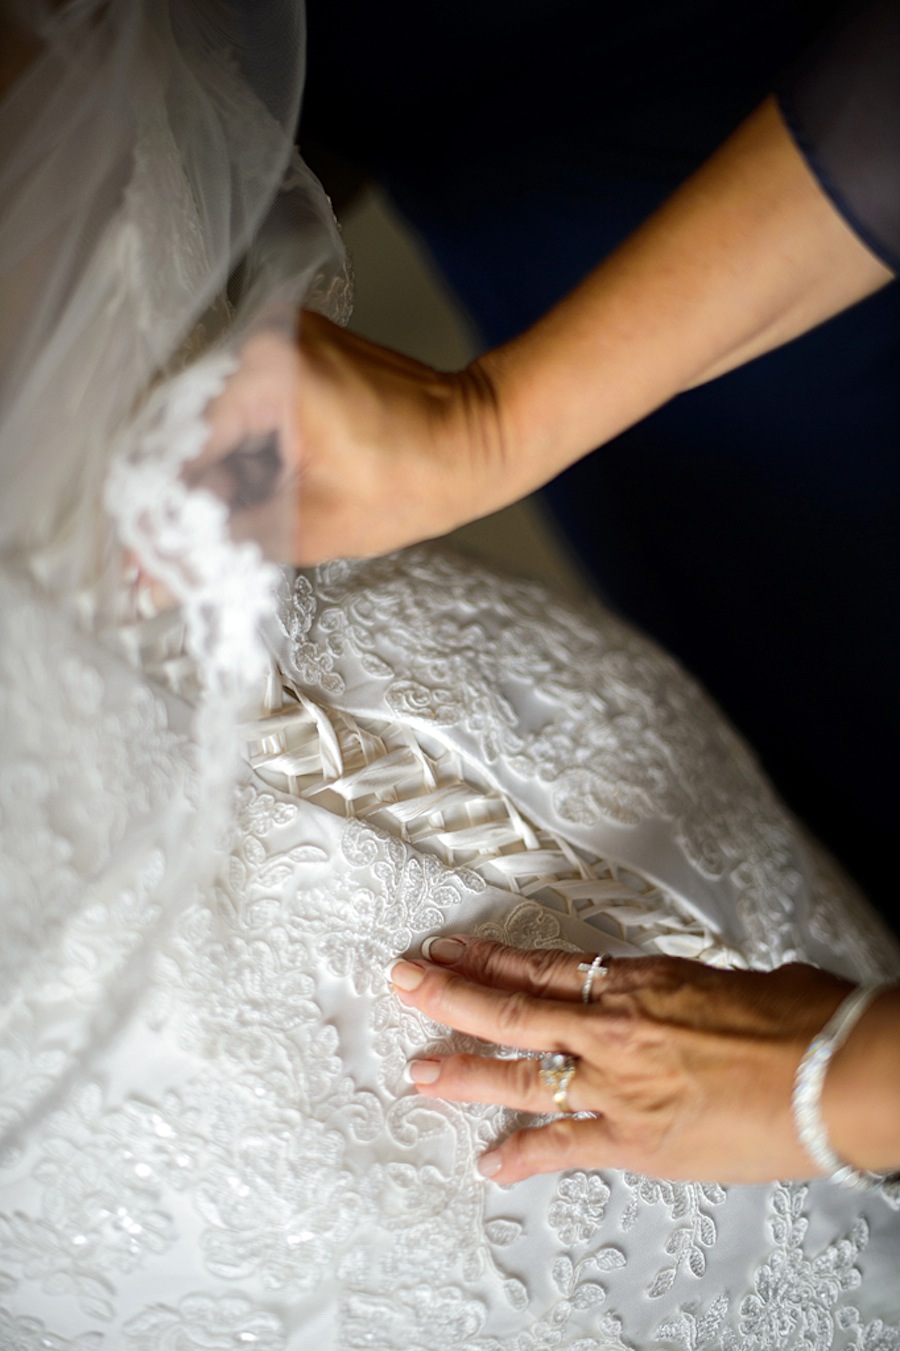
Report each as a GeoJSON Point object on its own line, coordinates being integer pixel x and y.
{"type": "Point", "coordinates": [205, 1323]}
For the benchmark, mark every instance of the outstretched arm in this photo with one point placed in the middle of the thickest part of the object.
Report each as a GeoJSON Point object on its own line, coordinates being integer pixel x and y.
{"type": "Point", "coordinates": [746, 255]}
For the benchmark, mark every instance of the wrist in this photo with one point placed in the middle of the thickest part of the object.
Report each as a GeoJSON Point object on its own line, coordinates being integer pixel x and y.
{"type": "Point", "coordinates": [487, 472]}
{"type": "Point", "coordinates": [508, 437]}
{"type": "Point", "coordinates": [861, 1094]}
{"type": "Point", "coordinates": [562, 389]}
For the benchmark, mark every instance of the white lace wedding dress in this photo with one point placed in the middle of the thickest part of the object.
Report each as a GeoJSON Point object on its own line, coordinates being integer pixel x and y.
{"type": "Point", "coordinates": [208, 1141]}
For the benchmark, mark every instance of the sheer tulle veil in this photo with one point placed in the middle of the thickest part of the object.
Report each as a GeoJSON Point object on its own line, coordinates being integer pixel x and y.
{"type": "Point", "coordinates": [156, 225]}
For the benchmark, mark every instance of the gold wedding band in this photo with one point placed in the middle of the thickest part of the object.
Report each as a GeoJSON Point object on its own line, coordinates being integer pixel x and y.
{"type": "Point", "coordinates": [557, 1072]}
{"type": "Point", "coordinates": [598, 967]}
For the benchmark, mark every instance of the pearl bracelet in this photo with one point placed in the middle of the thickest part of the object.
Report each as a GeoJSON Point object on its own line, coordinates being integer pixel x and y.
{"type": "Point", "coordinates": [807, 1097]}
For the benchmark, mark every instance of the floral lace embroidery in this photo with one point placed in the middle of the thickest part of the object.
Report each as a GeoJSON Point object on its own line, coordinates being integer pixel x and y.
{"type": "Point", "coordinates": [694, 1231]}
{"type": "Point", "coordinates": [388, 775]}
{"type": "Point", "coordinates": [290, 1162]}
{"type": "Point", "coordinates": [101, 1210]}
{"type": "Point", "coordinates": [314, 662]}
{"type": "Point", "coordinates": [277, 1201]}
{"type": "Point", "coordinates": [93, 780]}
{"type": "Point", "coordinates": [841, 925]}
{"type": "Point", "coordinates": [580, 1205]}
{"type": "Point", "coordinates": [425, 1318]}
{"type": "Point", "coordinates": [200, 1323]}
{"type": "Point", "coordinates": [290, 1153]}
{"type": "Point", "coordinates": [91, 742]}
{"type": "Point", "coordinates": [204, 1323]}
{"type": "Point", "coordinates": [242, 1002]}
{"type": "Point", "coordinates": [794, 1296]}
{"type": "Point", "coordinates": [420, 1318]}
{"type": "Point", "coordinates": [611, 726]}
{"type": "Point", "coordinates": [30, 1334]}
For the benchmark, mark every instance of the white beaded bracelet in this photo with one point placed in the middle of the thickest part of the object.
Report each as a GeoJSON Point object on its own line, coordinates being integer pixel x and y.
{"type": "Point", "coordinates": [807, 1098]}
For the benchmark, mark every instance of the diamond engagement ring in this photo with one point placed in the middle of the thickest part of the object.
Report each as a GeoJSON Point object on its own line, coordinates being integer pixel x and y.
{"type": "Point", "coordinates": [598, 967]}
{"type": "Point", "coordinates": [557, 1071]}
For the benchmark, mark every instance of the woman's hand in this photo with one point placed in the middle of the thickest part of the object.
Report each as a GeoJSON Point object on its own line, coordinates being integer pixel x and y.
{"type": "Point", "coordinates": [688, 1069]}
{"type": "Point", "coordinates": [391, 451]}
{"type": "Point", "coordinates": [325, 445]}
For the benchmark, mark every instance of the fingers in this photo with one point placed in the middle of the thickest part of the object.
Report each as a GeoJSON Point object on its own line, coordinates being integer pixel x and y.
{"type": "Point", "coordinates": [563, 1144]}
{"type": "Point", "coordinates": [507, 1018]}
{"type": "Point", "coordinates": [659, 986]}
{"type": "Point", "coordinates": [547, 973]}
{"type": "Point", "coordinates": [529, 1000]}
{"type": "Point", "coordinates": [626, 1071]}
{"type": "Point", "coordinates": [510, 1083]}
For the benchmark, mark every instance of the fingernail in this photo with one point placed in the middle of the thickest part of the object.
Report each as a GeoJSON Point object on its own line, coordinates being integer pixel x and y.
{"type": "Point", "coordinates": [405, 975]}
{"type": "Point", "coordinates": [444, 950]}
{"type": "Point", "coordinates": [489, 1164]}
{"type": "Point", "coordinates": [423, 1071]}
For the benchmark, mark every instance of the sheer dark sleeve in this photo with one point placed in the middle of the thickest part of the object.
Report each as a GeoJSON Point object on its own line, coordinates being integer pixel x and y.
{"type": "Point", "coordinates": [841, 104]}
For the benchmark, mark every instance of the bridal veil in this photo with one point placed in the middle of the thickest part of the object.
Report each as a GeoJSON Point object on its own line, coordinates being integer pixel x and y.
{"type": "Point", "coordinates": [154, 216]}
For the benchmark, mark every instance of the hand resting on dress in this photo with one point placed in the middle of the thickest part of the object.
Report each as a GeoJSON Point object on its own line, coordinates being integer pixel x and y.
{"type": "Point", "coordinates": [688, 1069]}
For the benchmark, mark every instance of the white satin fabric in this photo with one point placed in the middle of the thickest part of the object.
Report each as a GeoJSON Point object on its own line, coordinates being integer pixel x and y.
{"type": "Point", "coordinates": [221, 821]}
{"type": "Point", "coordinates": [238, 1159]}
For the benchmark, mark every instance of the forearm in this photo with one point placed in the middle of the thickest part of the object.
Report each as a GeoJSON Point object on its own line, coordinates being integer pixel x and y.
{"type": "Point", "coordinates": [748, 254]}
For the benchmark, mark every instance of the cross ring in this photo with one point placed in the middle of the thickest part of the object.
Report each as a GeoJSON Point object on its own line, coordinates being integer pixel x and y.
{"type": "Point", "coordinates": [598, 967]}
